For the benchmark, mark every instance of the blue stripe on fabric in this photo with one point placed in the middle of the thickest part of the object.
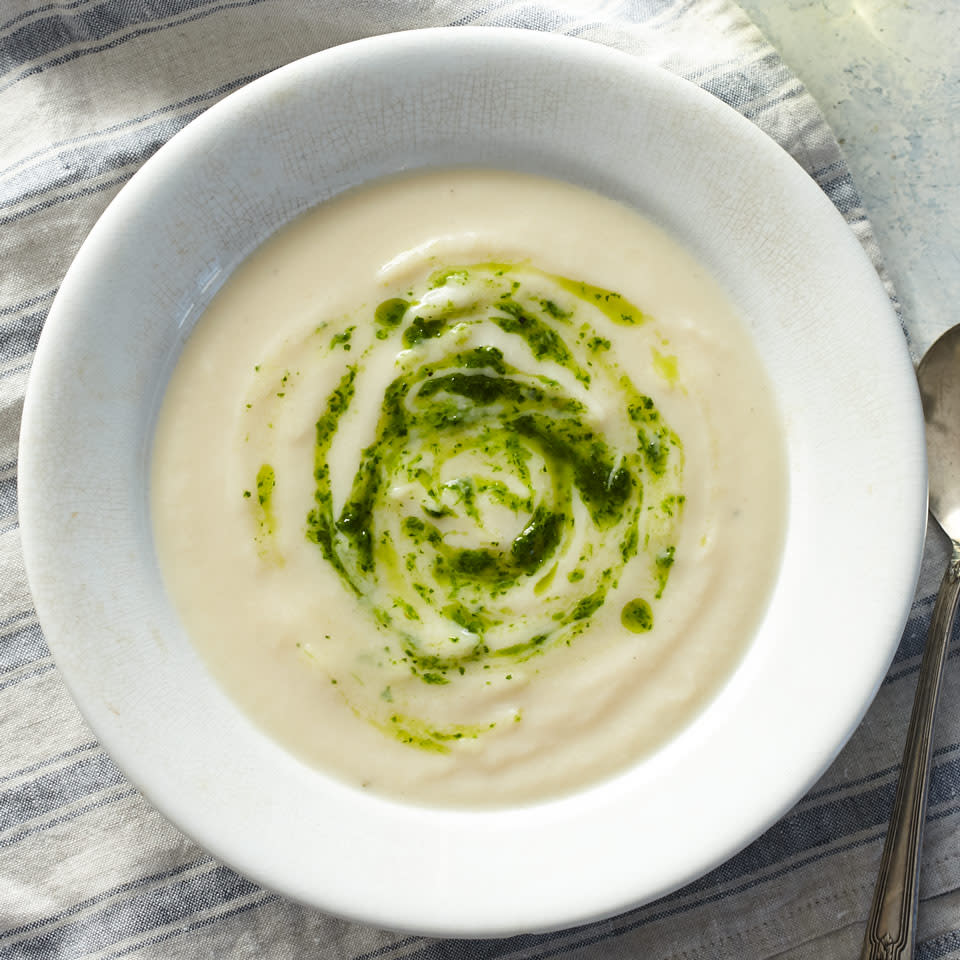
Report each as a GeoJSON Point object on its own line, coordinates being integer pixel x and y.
{"type": "Point", "coordinates": [894, 676]}
{"type": "Point", "coordinates": [77, 194]}
{"type": "Point", "coordinates": [490, 12]}
{"type": "Point", "coordinates": [19, 336]}
{"type": "Point", "coordinates": [915, 632]}
{"type": "Point", "coordinates": [48, 35]}
{"type": "Point", "coordinates": [792, 89]}
{"type": "Point", "coordinates": [18, 365]}
{"type": "Point", "coordinates": [36, 11]}
{"type": "Point", "coordinates": [30, 675]}
{"type": "Point", "coordinates": [21, 642]}
{"type": "Point", "coordinates": [936, 948]}
{"type": "Point", "coordinates": [871, 777]}
{"type": "Point", "coordinates": [74, 165]}
{"type": "Point", "coordinates": [47, 761]}
{"type": "Point", "coordinates": [839, 166]}
{"type": "Point", "coordinates": [944, 788]}
{"type": "Point", "coordinates": [82, 905]}
{"type": "Point", "coordinates": [854, 220]}
{"type": "Point", "coordinates": [98, 135]}
{"type": "Point", "coordinates": [532, 16]}
{"type": "Point", "coordinates": [675, 10]}
{"type": "Point", "coordinates": [942, 814]}
{"type": "Point", "coordinates": [116, 797]}
{"type": "Point", "coordinates": [196, 925]}
{"type": "Point", "coordinates": [842, 193]}
{"type": "Point", "coordinates": [47, 793]}
{"type": "Point", "coordinates": [388, 948]}
{"type": "Point", "coordinates": [13, 308]}
{"type": "Point", "coordinates": [745, 84]}
{"type": "Point", "coordinates": [172, 903]}
{"type": "Point", "coordinates": [642, 11]}
{"type": "Point", "coordinates": [8, 503]}
{"type": "Point", "coordinates": [143, 31]}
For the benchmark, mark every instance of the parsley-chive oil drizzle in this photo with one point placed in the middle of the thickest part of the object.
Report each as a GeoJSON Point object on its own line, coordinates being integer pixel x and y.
{"type": "Point", "coordinates": [514, 478]}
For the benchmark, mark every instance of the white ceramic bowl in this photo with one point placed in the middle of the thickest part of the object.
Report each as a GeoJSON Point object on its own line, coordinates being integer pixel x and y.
{"type": "Point", "coordinates": [537, 103]}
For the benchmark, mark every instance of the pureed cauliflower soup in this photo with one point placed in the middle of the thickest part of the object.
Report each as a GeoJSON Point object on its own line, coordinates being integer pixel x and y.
{"type": "Point", "coordinates": [469, 487]}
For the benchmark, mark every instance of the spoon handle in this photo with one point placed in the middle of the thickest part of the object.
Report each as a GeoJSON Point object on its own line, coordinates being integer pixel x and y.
{"type": "Point", "coordinates": [890, 927]}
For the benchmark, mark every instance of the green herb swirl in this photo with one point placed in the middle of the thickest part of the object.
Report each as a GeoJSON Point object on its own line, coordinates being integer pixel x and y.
{"type": "Point", "coordinates": [514, 475]}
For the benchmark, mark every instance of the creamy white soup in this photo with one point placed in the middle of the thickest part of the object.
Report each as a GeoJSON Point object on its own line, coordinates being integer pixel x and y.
{"type": "Point", "coordinates": [469, 487]}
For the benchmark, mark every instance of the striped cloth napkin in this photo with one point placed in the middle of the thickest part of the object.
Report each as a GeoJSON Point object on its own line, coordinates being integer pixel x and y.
{"type": "Point", "coordinates": [89, 89]}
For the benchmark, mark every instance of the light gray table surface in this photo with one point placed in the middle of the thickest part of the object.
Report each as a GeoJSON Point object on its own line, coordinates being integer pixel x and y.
{"type": "Point", "coordinates": [886, 74]}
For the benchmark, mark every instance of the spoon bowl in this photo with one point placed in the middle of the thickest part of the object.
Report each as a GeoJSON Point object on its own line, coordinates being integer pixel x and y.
{"type": "Point", "coordinates": [939, 379]}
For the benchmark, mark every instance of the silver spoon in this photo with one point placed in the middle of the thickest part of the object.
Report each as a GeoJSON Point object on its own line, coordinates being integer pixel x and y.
{"type": "Point", "coordinates": [891, 926]}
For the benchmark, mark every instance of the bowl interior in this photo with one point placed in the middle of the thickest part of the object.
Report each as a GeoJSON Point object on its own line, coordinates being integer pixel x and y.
{"type": "Point", "coordinates": [529, 102]}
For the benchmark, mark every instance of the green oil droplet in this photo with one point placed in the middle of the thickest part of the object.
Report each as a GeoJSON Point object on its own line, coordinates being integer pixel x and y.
{"type": "Point", "coordinates": [637, 616]}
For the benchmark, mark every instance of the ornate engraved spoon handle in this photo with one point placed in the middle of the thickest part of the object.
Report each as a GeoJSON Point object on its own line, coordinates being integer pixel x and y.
{"type": "Point", "coordinates": [890, 928]}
